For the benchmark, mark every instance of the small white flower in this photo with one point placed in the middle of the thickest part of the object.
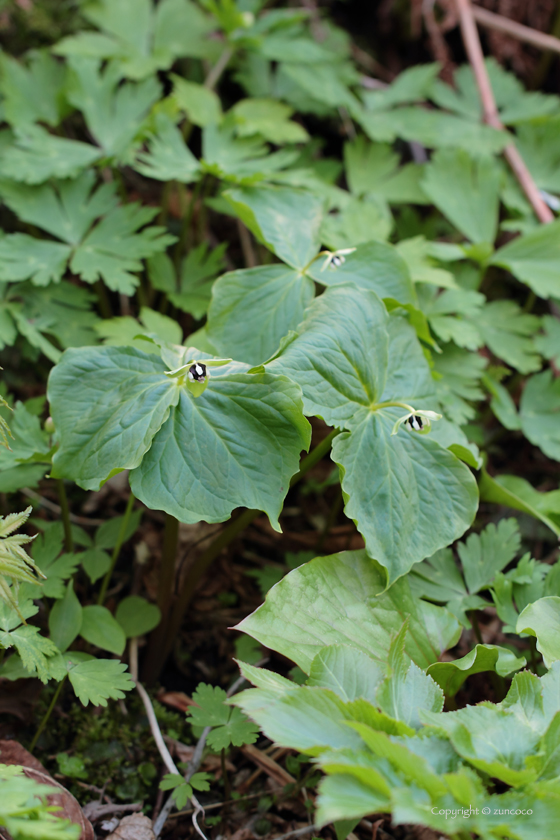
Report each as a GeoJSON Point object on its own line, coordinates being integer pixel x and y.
{"type": "Point", "coordinates": [418, 420]}
{"type": "Point", "coordinates": [336, 258]}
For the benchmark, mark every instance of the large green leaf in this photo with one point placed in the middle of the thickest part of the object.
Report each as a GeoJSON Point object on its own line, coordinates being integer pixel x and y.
{"type": "Point", "coordinates": [372, 265]}
{"type": "Point", "coordinates": [342, 600]}
{"type": "Point", "coordinates": [34, 156]}
{"type": "Point", "coordinates": [107, 404]}
{"type": "Point", "coordinates": [33, 92]}
{"type": "Point", "coordinates": [513, 492]}
{"type": "Point", "coordinates": [347, 671]}
{"type": "Point", "coordinates": [253, 309]}
{"type": "Point", "coordinates": [374, 168]}
{"type": "Point", "coordinates": [542, 619]}
{"type": "Point", "coordinates": [168, 157]}
{"type": "Point", "coordinates": [407, 494]}
{"type": "Point", "coordinates": [472, 205]}
{"type": "Point", "coordinates": [534, 258]}
{"type": "Point", "coordinates": [213, 448]}
{"type": "Point", "coordinates": [451, 675]}
{"type": "Point", "coordinates": [540, 412]}
{"type": "Point", "coordinates": [286, 220]}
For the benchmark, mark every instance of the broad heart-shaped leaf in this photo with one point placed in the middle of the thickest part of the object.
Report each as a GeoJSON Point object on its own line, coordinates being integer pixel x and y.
{"type": "Point", "coordinates": [372, 265]}
{"type": "Point", "coordinates": [342, 600]}
{"type": "Point", "coordinates": [253, 309]}
{"type": "Point", "coordinates": [137, 616]}
{"type": "Point", "coordinates": [540, 412]}
{"type": "Point", "coordinates": [101, 629]}
{"type": "Point", "coordinates": [208, 457]}
{"type": "Point", "coordinates": [339, 356]}
{"type": "Point", "coordinates": [285, 219]}
{"type": "Point", "coordinates": [97, 680]}
{"type": "Point", "coordinates": [542, 619]}
{"type": "Point", "coordinates": [472, 204]}
{"type": "Point", "coordinates": [451, 675]}
{"type": "Point", "coordinates": [107, 403]}
{"type": "Point", "coordinates": [407, 494]}
{"type": "Point", "coordinates": [534, 258]}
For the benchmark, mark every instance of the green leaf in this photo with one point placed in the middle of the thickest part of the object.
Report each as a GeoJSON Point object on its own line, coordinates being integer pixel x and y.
{"type": "Point", "coordinates": [359, 220]}
{"type": "Point", "coordinates": [347, 671]}
{"type": "Point", "coordinates": [107, 535]}
{"type": "Point", "coordinates": [433, 129]}
{"type": "Point", "coordinates": [201, 105]}
{"type": "Point", "coordinates": [137, 616]}
{"type": "Point", "coordinates": [32, 93]}
{"type": "Point", "coordinates": [537, 143]}
{"type": "Point", "coordinates": [97, 680]}
{"type": "Point", "coordinates": [374, 168]}
{"type": "Point", "coordinates": [395, 509]}
{"type": "Point", "coordinates": [34, 156]}
{"type": "Point", "coordinates": [508, 331]}
{"type": "Point", "coordinates": [229, 725]}
{"type": "Point", "coordinates": [485, 554]}
{"type": "Point", "coordinates": [534, 258]}
{"type": "Point", "coordinates": [168, 157]}
{"type": "Point", "coordinates": [269, 118]}
{"type": "Point", "coordinates": [99, 628]}
{"type": "Point", "coordinates": [491, 739]}
{"type": "Point", "coordinates": [540, 412]}
{"type": "Point", "coordinates": [32, 648]}
{"type": "Point", "coordinates": [417, 253]}
{"type": "Point", "coordinates": [286, 220]}
{"type": "Point", "coordinates": [406, 689]}
{"type": "Point", "coordinates": [141, 37]}
{"type": "Point", "coordinates": [198, 271]}
{"type": "Point", "coordinates": [65, 619]}
{"type": "Point", "coordinates": [453, 316]}
{"type": "Point", "coordinates": [451, 675]}
{"type": "Point", "coordinates": [372, 265]}
{"type": "Point", "coordinates": [114, 112]}
{"type": "Point", "coordinates": [94, 422]}
{"type": "Point", "coordinates": [240, 160]}
{"type": "Point", "coordinates": [501, 402]}
{"type": "Point", "coordinates": [512, 494]}
{"type": "Point", "coordinates": [96, 563]}
{"type": "Point", "coordinates": [327, 590]}
{"type": "Point", "coordinates": [264, 420]}
{"type": "Point", "coordinates": [542, 619]}
{"type": "Point", "coordinates": [253, 309]}
{"type": "Point", "coordinates": [472, 205]}
{"type": "Point", "coordinates": [461, 373]}
{"type": "Point", "coordinates": [549, 343]}
{"type": "Point", "coordinates": [23, 257]}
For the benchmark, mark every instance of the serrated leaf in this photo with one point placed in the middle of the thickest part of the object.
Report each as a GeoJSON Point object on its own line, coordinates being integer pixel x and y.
{"type": "Point", "coordinates": [374, 168]}
{"type": "Point", "coordinates": [23, 257]}
{"type": "Point", "coordinates": [32, 92]}
{"type": "Point", "coordinates": [34, 156]}
{"type": "Point", "coordinates": [229, 725]}
{"type": "Point", "coordinates": [508, 331]}
{"type": "Point", "coordinates": [534, 258]}
{"type": "Point", "coordinates": [97, 680]}
{"type": "Point", "coordinates": [327, 590]}
{"type": "Point", "coordinates": [513, 495]}
{"type": "Point", "coordinates": [268, 118]}
{"type": "Point", "coordinates": [32, 648]}
{"type": "Point", "coordinates": [483, 555]}
{"type": "Point", "coordinates": [115, 113]}
{"type": "Point", "coordinates": [201, 105]}
{"type": "Point", "coordinates": [472, 206]}
{"type": "Point", "coordinates": [240, 160]}
{"type": "Point", "coordinates": [100, 629]}
{"type": "Point", "coordinates": [549, 343]}
{"type": "Point", "coordinates": [168, 157]}
{"type": "Point", "coordinates": [461, 374]}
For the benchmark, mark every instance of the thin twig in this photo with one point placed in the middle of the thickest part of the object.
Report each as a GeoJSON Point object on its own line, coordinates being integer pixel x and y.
{"type": "Point", "coordinates": [215, 73]}
{"type": "Point", "coordinates": [517, 30]}
{"type": "Point", "coordinates": [214, 805]}
{"type": "Point", "coordinates": [42, 501]}
{"type": "Point", "coordinates": [490, 111]}
{"type": "Point", "coordinates": [298, 832]}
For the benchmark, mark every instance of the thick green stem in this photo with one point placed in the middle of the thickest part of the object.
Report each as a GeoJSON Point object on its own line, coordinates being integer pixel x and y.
{"type": "Point", "coordinates": [202, 563]}
{"type": "Point", "coordinates": [63, 499]}
{"type": "Point", "coordinates": [117, 549]}
{"type": "Point", "coordinates": [392, 404]}
{"type": "Point", "coordinates": [47, 715]}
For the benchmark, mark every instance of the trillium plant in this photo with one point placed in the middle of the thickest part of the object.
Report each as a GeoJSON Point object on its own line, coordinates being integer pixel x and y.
{"type": "Point", "coordinates": [219, 316]}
